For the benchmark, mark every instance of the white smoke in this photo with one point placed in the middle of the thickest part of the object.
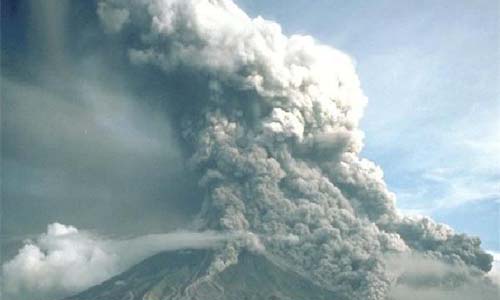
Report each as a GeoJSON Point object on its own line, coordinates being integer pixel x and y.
{"type": "Point", "coordinates": [423, 276]}
{"type": "Point", "coordinates": [273, 124]}
{"type": "Point", "coordinates": [494, 274]}
{"type": "Point", "coordinates": [65, 260]}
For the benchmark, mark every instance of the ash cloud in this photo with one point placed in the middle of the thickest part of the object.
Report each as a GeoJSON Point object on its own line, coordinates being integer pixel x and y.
{"type": "Point", "coordinates": [272, 124]}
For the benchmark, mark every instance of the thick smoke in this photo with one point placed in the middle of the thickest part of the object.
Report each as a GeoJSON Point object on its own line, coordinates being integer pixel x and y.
{"type": "Point", "coordinates": [66, 260]}
{"type": "Point", "coordinates": [272, 123]}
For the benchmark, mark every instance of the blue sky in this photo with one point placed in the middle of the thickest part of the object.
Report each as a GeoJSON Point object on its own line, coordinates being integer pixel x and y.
{"type": "Point", "coordinates": [431, 72]}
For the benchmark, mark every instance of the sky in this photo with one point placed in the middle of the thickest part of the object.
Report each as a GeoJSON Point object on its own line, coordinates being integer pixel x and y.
{"type": "Point", "coordinates": [430, 70]}
{"type": "Point", "coordinates": [95, 145]}
{"type": "Point", "coordinates": [89, 140]}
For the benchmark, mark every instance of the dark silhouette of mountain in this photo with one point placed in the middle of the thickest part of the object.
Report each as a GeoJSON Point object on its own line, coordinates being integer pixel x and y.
{"type": "Point", "coordinates": [170, 275]}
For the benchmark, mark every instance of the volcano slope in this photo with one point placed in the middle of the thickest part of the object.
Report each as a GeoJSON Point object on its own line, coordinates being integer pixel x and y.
{"type": "Point", "coordinates": [180, 275]}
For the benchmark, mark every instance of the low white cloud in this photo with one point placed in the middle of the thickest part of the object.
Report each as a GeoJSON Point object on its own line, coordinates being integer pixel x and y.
{"type": "Point", "coordinates": [65, 260]}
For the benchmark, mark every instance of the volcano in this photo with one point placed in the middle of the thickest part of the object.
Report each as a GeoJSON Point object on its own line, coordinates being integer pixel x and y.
{"type": "Point", "coordinates": [182, 275]}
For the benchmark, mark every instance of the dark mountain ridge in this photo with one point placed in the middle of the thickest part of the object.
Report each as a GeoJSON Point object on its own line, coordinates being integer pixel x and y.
{"type": "Point", "coordinates": [170, 275]}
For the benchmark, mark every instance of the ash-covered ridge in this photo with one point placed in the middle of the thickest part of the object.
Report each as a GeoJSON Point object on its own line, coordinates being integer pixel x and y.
{"type": "Point", "coordinates": [170, 275]}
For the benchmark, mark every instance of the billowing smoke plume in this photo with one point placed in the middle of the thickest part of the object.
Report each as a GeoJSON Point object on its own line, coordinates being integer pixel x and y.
{"type": "Point", "coordinates": [65, 260]}
{"type": "Point", "coordinates": [272, 123]}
